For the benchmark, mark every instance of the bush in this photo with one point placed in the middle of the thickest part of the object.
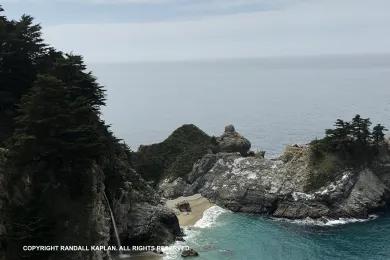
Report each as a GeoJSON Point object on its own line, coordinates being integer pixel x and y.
{"type": "Point", "coordinates": [323, 170]}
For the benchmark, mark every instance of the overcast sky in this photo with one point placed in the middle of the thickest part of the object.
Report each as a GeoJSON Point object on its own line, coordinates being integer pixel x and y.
{"type": "Point", "coordinates": [146, 30]}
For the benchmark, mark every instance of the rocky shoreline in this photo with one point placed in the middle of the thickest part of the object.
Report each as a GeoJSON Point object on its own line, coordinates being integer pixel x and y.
{"type": "Point", "coordinates": [242, 182]}
{"type": "Point", "coordinates": [225, 173]}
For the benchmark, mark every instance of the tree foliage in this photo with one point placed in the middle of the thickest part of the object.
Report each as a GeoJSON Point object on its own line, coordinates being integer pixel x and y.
{"type": "Point", "coordinates": [24, 56]}
{"type": "Point", "coordinates": [56, 123]}
{"type": "Point", "coordinates": [50, 123]}
{"type": "Point", "coordinates": [352, 141]}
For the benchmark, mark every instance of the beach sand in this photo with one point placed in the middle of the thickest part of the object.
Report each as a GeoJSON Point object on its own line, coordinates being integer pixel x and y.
{"type": "Point", "coordinates": [198, 205]}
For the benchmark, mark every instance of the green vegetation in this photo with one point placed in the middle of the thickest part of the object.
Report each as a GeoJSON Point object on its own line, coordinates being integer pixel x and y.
{"type": "Point", "coordinates": [175, 156]}
{"type": "Point", "coordinates": [349, 145]}
{"type": "Point", "coordinates": [352, 141]}
{"type": "Point", "coordinates": [57, 144]}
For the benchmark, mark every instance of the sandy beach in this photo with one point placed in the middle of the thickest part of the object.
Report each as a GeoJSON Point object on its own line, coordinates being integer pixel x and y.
{"type": "Point", "coordinates": [198, 205]}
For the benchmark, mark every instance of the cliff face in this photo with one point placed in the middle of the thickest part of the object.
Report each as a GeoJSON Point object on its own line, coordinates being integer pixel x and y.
{"type": "Point", "coordinates": [279, 187]}
{"type": "Point", "coordinates": [141, 218]}
{"type": "Point", "coordinates": [44, 213]}
{"type": "Point", "coordinates": [3, 199]}
{"type": "Point", "coordinates": [85, 219]}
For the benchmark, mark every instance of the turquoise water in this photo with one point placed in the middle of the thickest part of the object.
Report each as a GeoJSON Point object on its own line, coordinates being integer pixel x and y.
{"type": "Point", "coordinates": [241, 236]}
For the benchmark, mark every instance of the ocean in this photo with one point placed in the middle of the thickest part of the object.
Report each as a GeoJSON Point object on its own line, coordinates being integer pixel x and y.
{"type": "Point", "coordinates": [273, 102]}
{"type": "Point", "coordinates": [225, 235]}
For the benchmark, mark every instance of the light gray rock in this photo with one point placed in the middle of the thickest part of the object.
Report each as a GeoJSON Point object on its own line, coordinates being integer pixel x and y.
{"type": "Point", "coordinates": [367, 195]}
{"type": "Point", "coordinates": [277, 187]}
{"type": "Point", "coordinates": [172, 189]}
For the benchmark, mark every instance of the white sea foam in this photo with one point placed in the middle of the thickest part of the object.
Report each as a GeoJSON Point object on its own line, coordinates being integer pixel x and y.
{"type": "Point", "coordinates": [209, 219]}
{"type": "Point", "coordinates": [173, 251]}
{"type": "Point", "coordinates": [210, 216]}
{"type": "Point", "coordinates": [325, 221]}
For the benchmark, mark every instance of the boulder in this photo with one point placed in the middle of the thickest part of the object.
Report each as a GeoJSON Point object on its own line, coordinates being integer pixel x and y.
{"type": "Point", "coordinates": [189, 252]}
{"type": "Point", "coordinates": [231, 141]}
{"type": "Point", "coordinates": [171, 190]}
{"type": "Point", "coordinates": [183, 206]}
{"type": "Point", "coordinates": [149, 224]}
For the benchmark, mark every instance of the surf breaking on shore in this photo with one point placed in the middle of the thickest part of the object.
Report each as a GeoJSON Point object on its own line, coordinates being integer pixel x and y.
{"type": "Point", "coordinates": [326, 221]}
{"type": "Point", "coordinates": [208, 219]}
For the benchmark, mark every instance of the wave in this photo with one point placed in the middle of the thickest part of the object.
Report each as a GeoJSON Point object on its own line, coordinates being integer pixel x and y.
{"type": "Point", "coordinates": [210, 216]}
{"type": "Point", "coordinates": [209, 219]}
{"type": "Point", "coordinates": [326, 221]}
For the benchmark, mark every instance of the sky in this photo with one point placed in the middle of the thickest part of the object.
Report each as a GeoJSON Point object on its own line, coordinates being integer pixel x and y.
{"type": "Point", "coordinates": [109, 31]}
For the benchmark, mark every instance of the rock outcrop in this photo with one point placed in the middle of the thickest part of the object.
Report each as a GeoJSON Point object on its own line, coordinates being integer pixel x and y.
{"type": "Point", "coordinates": [140, 216]}
{"type": "Point", "coordinates": [231, 141]}
{"type": "Point", "coordinates": [189, 252]}
{"type": "Point", "coordinates": [278, 187]}
{"type": "Point", "coordinates": [183, 206]}
{"type": "Point", "coordinates": [173, 159]}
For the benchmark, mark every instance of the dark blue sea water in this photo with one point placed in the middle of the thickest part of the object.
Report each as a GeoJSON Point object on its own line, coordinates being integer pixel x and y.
{"type": "Point", "coordinates": [273, 102]}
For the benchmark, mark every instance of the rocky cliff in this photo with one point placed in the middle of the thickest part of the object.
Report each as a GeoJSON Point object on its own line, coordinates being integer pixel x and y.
{"type": "Point", "coordinates": [280, 187]}
{"type": "Point", "coordinates": [141, 217]}
{"type": "Point", "coordinates": [3, 199]}
{"type": "Point", "coordinates": [62, 219]}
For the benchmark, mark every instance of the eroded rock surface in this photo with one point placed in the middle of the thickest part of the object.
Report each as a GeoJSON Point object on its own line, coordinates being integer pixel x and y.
{"type": "Point", "coordinates": [278, 187]}
{"type": "Point", "coordinates": [231, 141]}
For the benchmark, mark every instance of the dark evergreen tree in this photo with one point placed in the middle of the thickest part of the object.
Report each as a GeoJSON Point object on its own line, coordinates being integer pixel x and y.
{"type": "Point", "coordinates": [71, 70]}
{"type": "Point", "coordinates": [378, 134]}
{"type": "Point", "coordinates": [351, 141]}
{"type": "Point", "coordinates": [361, 129]}
{"type": "Point", "coordinates": [57, 140]}
{"type": "Point", "coordinates": [340, 137]}
{"type": "Point", "coordinates": [21, 49]}
{"type": "Point", "coordinates": [56, 124]}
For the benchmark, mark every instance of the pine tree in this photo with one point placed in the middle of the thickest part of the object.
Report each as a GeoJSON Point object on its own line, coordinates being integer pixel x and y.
{"type": "Point", "coordinates": [361, 129]}
{"type": "Point", "coordinates": [56, 125]}
{"type": "Point", "coordinates": [378, 134]}
{"type": "Point", "coordinates": [21, 49]}
{"type": "Point", "coordinates": [71, 70]}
